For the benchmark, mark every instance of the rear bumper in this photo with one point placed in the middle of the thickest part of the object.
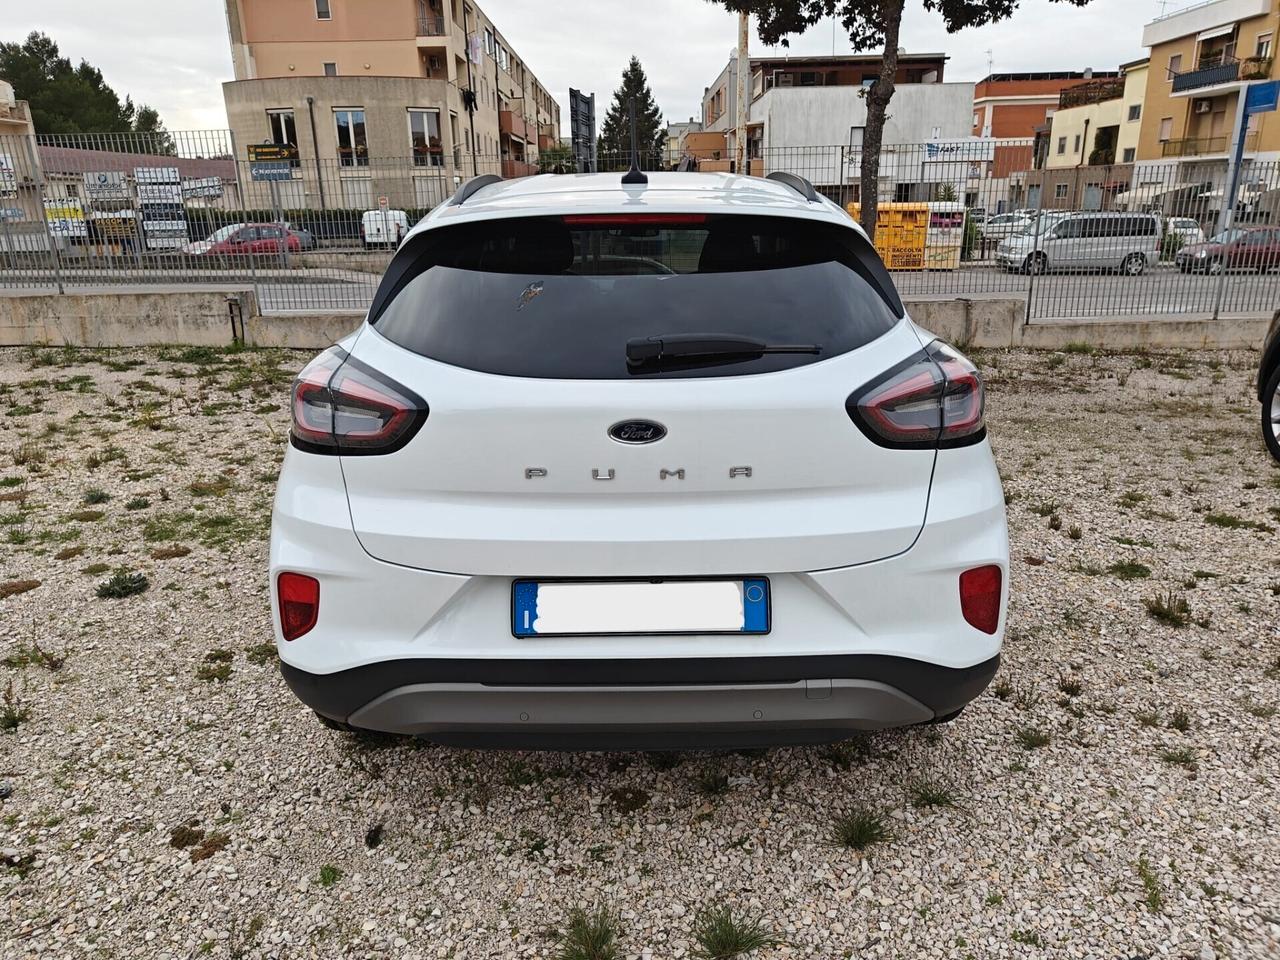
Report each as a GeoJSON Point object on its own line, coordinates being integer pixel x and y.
{"type": "Point", "coordinates": [640, 704]}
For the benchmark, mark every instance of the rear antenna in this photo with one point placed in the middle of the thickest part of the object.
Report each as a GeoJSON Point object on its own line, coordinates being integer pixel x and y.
{"type": "Point", "coordinates": [634, 175]}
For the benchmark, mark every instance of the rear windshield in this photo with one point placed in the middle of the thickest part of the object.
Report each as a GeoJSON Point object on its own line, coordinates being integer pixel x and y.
{"type": "Point", "coordinates": [559, 297]}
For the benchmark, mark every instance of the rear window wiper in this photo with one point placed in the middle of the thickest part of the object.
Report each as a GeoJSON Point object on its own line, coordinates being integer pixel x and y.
{"type": "Point", "coordinates": [689, 348]}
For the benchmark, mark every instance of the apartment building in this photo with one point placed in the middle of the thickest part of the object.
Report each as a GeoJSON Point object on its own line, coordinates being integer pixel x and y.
{"type": "Point", "coordinates": [1201, 59]}
{"type": "Point", "coordinates": [370, 98]}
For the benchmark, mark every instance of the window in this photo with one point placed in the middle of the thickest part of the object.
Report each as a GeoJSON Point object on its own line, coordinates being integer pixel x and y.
{"type": "Point", "coordinates": [1175, 65]}
{"type": "Point", "coordinates": [330, 69]}
{"type": "Point", "coordinates": [1166, 129]}
{"type": "Point", "coordinates": [353, 148]}
{"type": "Point", "coordinates": [977, 120]}
{"type": "Point", "coordinates": [855, 137]}
{"type": "Point", "coordinates": [1128, 155]}
{"type": "Point", "coordinates": [282, 127]}
{"type": "Point", "coordinates": [424, 137]}
{"type": "Point", "coordinates": [1062, 144]}
{"type": "Point", "coordinates": [1075, 147]}
{"type": "Point", "coordinates": [488, 41]}
{"type": "Point", "coordinates": [1060, 191]}
{"type": "Point", "coordinates": [322, 10]}
{"type": "Point", "coordinates": [1135, 111]}
{"type": "Point", "coordinates": [465, 298]}
{"type": "Point", "coordinates": [1263, 48]}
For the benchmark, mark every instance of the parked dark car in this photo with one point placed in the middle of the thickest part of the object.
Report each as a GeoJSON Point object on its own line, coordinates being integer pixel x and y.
{"type": "Point", "coordinates": [1240, 248]}
{"type": "Point", "coordinates": [1269, 387]}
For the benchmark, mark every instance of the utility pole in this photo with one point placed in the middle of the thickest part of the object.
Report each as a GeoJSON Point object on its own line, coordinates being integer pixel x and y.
{"type": "Point", "coordinates": [744, 72]}
{"type": "Point", "coordinates": [471, 86]}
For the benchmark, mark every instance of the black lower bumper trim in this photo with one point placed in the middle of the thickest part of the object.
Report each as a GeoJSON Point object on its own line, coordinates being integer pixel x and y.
{"type": "Point", "coordinates": [942, 689]}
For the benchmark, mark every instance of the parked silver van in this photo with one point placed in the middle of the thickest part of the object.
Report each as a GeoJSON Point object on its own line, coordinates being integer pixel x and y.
{"type": "Point", "coordinates": [1127, 242]}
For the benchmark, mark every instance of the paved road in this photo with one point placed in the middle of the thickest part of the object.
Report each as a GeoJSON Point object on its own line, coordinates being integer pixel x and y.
{"type": "Point", "coordinates": [1161, 290]}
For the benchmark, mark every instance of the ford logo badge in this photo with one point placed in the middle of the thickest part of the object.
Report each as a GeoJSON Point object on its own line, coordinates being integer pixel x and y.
{"type": "Point", "coordinates": [637, 431]}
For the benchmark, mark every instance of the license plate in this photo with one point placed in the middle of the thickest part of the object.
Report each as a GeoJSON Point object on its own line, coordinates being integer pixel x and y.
{"type": "Point", "coordinates": [560, 608]}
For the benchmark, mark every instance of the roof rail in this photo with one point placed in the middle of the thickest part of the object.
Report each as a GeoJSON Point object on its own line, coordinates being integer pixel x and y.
{"type": "Point", "coordinates": [471, 186]}
{"type": "Point", "coordinates": [797, 183]}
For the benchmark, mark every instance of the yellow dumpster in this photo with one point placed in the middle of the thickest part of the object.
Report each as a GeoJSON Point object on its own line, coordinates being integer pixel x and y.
{"type": "Point", "coordinates": [902, 230]}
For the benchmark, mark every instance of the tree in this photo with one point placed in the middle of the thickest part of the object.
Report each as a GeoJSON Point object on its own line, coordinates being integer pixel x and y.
{"type": "Point", "coordinates": [556, 159]}
{"type": "Point", "coordinates": [870, 24]}
{"type": "Point", "coordinates": [615, 134]}
{"type": "Point", "coordinates": [67, 99]}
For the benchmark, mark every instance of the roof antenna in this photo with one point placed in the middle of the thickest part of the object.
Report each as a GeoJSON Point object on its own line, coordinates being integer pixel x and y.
{"type": "Point", "coordinates": [634, 175]}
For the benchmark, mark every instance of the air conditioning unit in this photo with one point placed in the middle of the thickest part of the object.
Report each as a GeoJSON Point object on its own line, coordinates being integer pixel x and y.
{"type": "Point", "coordinates": [783, 79]}
{"type": "Point", "coordinates": [1202, 106]}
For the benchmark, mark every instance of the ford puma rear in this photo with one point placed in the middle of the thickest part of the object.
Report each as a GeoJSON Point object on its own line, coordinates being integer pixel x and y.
{"type": "Point", "coordinates": [636, 466]}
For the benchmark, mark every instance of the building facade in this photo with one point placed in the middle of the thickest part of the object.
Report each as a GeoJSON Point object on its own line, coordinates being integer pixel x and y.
{"type": "Point", "coordinates": [371, 98]}
{"type": "Point", "coordinates": [1201, 59]}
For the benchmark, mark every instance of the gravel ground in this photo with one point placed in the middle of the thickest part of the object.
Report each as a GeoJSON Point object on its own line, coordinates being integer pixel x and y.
{"type": "Point", "coordinates": [1113, 795]}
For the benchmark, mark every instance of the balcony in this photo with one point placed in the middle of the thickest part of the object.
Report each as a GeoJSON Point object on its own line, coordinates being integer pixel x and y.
{"type": "Point", "coordinates": [1208, 73]}
{"type": "Point", "coordinates": [517, 168]}
{"type": "Point", "coordinates": [1095, 91]}
{"type": "Point", "coordinates": [513, 125]}
{"type": "Point", "coordinates": [1205, 146]}
{"type": "Point", "coordinates": [431, 26]}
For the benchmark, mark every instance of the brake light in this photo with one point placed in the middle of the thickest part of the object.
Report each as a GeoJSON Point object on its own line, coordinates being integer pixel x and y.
{"type": "Point", "coordinates": [632, 219]}
{"type": "Point", "coordinates": [299, 601]}
{"type": "Point", "coordinates": [980, 597]}
{"type": "Point", "coordinates": [341, 405]}
{"type": "Point", "coordinates": [933, 399]}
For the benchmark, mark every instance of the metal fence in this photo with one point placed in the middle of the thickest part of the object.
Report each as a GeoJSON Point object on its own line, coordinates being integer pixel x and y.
{"type": "Point", "coordinates": [971, 218]}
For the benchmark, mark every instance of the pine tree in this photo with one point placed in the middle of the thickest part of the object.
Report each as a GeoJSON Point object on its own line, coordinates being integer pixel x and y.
{"type": "Point", "coordinates": [614, 144]}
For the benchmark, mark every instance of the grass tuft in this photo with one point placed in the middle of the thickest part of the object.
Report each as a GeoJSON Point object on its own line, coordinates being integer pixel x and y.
{"type": "Point", "coordinates": [925, 793]}
{"type": "Point", "coordinates": [859, 828]}
{"type": "Point", "coordinates": [589, 936]}
{"type": "Point", "coordinates": [1029, 738]}
{"type": "Point", "coordinates": [721, 935]}
{"type": "Point", "coordinates": [1169, 608]}
{"type": "Point", "coordinates": [123, 584]}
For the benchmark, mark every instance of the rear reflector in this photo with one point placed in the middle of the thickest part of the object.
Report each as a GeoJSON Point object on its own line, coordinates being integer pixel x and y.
{"type": "Point", "coordinates": [980, 597]}
{"type": "Point", "coordinates": [299, 597]}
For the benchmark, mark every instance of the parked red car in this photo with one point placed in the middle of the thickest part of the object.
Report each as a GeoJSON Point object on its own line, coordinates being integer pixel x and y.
{"type": "Point", "coordinates": [246, 239]}
{"type": "Point", "coordinates": [1247, 248]}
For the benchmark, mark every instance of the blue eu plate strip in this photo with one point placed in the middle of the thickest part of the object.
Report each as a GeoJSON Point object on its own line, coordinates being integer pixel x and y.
{"type": "Point", "coordinates": [755, 606]}
{"type": "Point", "coordinates": [525, 608]}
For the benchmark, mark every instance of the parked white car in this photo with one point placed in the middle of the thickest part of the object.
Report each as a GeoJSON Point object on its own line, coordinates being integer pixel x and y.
{"type": "Point", "coordinates": [383, 228]}
{"type": "Point", "coordinates": [1127, 242]}
{"type": "Point", "coordinates": [1004, 225]}
{"type": "Point", "coordinates": [1185, 228]}
{"type": "Point", "coordinates": [543, 497]}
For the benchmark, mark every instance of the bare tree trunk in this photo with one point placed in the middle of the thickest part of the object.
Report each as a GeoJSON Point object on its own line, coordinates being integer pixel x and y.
{"type": "Point", "coordinates": [878, 98]}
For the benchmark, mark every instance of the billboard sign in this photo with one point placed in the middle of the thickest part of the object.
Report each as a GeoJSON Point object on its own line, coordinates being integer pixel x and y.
{"type": "Point", "coordinates": [65, 217]}
{"type": "Point", "coordinates": [156, 175]}
{"type": "Point", "coordinates": [205, 188]}
{"type": "Point", "coordinates": [8, 176]}
{"type": "Point", "coordinates": [106, 185]}
{"type": "Point", "coordinates": [159, 193]}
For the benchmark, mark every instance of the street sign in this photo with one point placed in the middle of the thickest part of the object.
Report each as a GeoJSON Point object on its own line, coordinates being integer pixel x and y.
{"type": "Point", "coordinates": [270, 170]}
{"type": "Point", "coordinates": [271, 151]}
{"type": "Point", "coordinates": [1261, 97]}
{"type": "Point", "coordinates": [8, 177]}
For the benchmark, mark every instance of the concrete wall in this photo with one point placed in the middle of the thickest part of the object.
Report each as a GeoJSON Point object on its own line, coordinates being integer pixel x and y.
{"type": "Point", "coordinates": [200, 317]}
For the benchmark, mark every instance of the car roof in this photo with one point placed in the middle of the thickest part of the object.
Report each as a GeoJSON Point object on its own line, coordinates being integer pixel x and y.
{"type": "Point", "coordinates": [665, 192]}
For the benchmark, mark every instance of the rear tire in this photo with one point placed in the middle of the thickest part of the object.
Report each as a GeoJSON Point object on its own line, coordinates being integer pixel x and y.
{"type": "Point", "coordinates": [1134, 264]}
{"type": "Point", "coordinates": [1271, 412]}
{"type": "Point", "coordinates": [1214, 267]}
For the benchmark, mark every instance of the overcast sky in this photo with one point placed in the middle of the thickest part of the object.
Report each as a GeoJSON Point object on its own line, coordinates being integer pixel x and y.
{"type": "Point", "coordinates": [174, 54]}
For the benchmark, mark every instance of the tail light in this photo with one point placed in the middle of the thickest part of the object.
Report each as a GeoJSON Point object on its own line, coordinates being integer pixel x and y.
{"type": "Point", "coordinates": [341, 405]}
{"type": "Point", "coordinates": [980, 597]}
{"type": "Point", "coordinates": [932, 399]}
{"type": "Point", "coordinates": [299, 601]}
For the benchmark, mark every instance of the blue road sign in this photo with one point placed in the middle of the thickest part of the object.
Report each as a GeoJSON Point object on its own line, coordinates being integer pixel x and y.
{"type": "Point", "coordinates": [270, 170]}
{"type": "Point", "coordinates": [1261, 97]}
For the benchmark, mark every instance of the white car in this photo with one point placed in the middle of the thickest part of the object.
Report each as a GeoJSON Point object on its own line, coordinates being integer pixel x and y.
{"type": "Point", "coordinates": [383, 228]}
{"type": "Point", "coordinates": [1186, 228]}
{"type": "Point", "coordinates": [1004, 225]}
{"type": "Point", "coordinates": [548, 495]}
